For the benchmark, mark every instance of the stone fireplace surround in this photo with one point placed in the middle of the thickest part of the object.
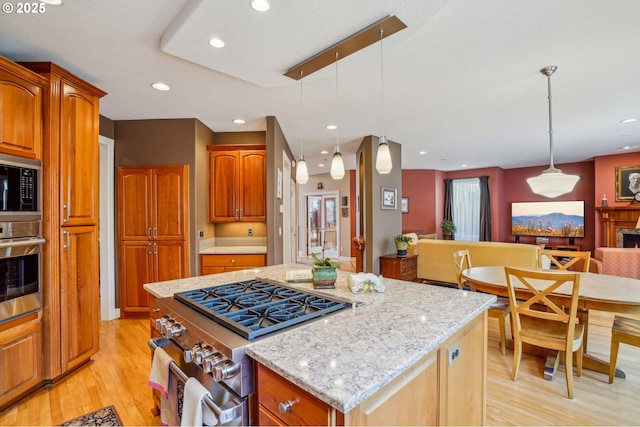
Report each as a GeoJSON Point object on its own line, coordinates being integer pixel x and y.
{"type": "Point", "coordinates": [622, 232]}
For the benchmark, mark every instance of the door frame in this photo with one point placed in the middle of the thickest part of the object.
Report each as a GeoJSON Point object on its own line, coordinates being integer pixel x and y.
{"type": "Point", "coordinates": [108, 300]}
{"type": "Point", "coordinates": [303, 219]}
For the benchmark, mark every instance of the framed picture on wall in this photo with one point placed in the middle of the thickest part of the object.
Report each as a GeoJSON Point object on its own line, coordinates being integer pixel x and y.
{"type": "Point", "coordinates": [388, 198]}
{"type": "Point", "coordinates": [404, 205]}
{"type": "Point", "coordinates": [627, 183]}
{"type": "Point", "coordinates": [345, 212]}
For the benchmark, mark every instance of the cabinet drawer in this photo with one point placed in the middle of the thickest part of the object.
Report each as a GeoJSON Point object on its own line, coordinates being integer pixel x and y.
{"type": "Point", "coordinates": [233, 260]}
{"type": "Point", "coordinates": [306, 409]}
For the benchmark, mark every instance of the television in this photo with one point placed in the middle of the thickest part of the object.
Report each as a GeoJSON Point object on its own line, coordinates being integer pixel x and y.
{"type": "Point", "coordinates": [548, 219]}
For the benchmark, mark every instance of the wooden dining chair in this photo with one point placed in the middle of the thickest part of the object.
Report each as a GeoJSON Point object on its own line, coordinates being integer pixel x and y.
{"type": "Point", "coordinates": [553, 328]}
{"type": "Point", "coordinates": [498, 310]}
{"type": "Point", "coordinates": [624, 330]}
{"type": "Point", "coordinates": [565, 260]}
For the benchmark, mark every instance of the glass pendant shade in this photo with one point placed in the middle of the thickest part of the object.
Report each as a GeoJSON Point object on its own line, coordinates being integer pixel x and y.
{"type": "Point", "coordinates": [302, 173]}
{"type": "Point", "coordinates": [337, 165]}
{"type": "Point", "coordinates": [383, 157]}
{"type": "Point", "coordinates": [552, 182]}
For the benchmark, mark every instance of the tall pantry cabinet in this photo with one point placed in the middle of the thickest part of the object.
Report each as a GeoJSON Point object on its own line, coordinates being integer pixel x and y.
{"type": "Point", "coordinates": [70, 220]}
{"type": "Point", "coordinates": [152, 231]}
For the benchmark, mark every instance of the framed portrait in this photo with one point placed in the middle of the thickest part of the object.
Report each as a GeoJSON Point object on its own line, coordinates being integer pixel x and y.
{"type": "Point", "coordinates": [345, 200]}
{"type": "Point", "coordinates": [345, 212]}
{"type": "Point", "coordinates": [388, 198]}
{"type": "Point", "coordinates": [404, 205]}
{"type": "Point", "coordinates": [627, 183]}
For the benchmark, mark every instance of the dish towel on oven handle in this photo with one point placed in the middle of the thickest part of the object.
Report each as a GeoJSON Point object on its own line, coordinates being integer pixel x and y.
{"type": "Point", "coordinates": [159, 375]}
{"type": "Point", "coordinates": [194, 411]}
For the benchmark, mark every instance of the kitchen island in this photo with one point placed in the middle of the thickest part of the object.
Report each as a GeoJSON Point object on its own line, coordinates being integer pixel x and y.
{"type": "Point", "coordinates": [415, 354]}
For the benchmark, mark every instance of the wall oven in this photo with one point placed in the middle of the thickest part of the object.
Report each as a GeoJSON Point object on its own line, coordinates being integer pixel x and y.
{"type": "Point", "coordinates": [19, 189]}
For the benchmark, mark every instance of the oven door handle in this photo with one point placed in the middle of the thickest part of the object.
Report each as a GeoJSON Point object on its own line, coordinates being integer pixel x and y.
{"type": "Point", "coordinates": [228, 412]}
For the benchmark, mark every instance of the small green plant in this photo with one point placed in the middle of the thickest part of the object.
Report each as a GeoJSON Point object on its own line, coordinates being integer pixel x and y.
{"type": "Point", "coordinates": [448, 227]}
{"type": "Point", "coordinates": [319, 262]}
{"type": "Point", "coordinates": [402, 238]}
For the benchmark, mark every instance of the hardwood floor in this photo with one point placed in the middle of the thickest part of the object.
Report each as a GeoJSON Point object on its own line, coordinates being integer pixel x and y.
{"type": "Point", "coordinates": [118, 375]}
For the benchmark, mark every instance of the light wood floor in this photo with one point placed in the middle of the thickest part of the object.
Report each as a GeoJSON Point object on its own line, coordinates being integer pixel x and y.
{"type": "Point", "coordinates": [118, 376]}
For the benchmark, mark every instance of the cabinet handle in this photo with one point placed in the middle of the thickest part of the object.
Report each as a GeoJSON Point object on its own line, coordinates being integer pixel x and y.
{"type": "Point", "coordinates": [285, 407]}
{"type": "Point", "coordinates": [149, 248]}
{"type": "Point", "coordinates": [155, 248]}
{"type": "Point", "coordinates": [233, 261]}
{"type": "Point", "coordinates": [65, 216]}
{"type": "Point", "coordinates": [67, 240]}
{"type": "Point", "coordinates": [155, 232]}
{"type": "Point", "coordinates": [149, 232]}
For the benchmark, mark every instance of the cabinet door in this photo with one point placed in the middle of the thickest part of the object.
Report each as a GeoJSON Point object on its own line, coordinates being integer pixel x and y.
{"type": "Point", "coordinates": [170, 260]}
{"type": "Point", "coordinates": [78, 157]}
{"type": "Point", "coordinates": [169, 210]}
{"type": "Point", "coordinates": [253, 188]}
{"type": "Point", "coordinates": [20, 361]}
{"type": "Point", "coordinates": [223, 186]}
{"type": "Point", "coordinates": [136, 269]}
{"type": "Point", "coordinates": [134, 203]}
{"type": "Point", "coordinates": [20, 116]}
{"type": "Point", "coordinates": [79, 295]}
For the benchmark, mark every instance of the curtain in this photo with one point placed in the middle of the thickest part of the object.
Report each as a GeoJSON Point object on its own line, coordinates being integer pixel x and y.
{"type": "Point", "coordinates": [485, 210]}
{"type": "Point", "coordinates": [448, 199]}
{"type": "Point", "coordinates": [466, 208]}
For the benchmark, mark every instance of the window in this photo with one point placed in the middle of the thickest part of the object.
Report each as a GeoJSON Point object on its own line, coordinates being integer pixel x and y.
{"type": "Point", "coordinates": [466, 208]}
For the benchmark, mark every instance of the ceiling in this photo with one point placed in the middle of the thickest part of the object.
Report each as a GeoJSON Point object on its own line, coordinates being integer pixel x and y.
{"type": "Point", "coordinates": [461, 82]}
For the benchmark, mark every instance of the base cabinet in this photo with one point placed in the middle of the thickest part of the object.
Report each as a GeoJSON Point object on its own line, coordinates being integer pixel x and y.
{"type": "Point", "coordinates": [214, 264]}
{"type": "Point", "coordinates": [20, 361]}
{"type": "Point", "coordinates": [431, 392]}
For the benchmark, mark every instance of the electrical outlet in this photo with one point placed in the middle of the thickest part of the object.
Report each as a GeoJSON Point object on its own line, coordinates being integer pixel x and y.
{"type": "Point", "coordinates": [250, 231]}
{"type": "Point", "coordinates": [454, 353]}
{"type": "Point", "coordinates": [201, 233]}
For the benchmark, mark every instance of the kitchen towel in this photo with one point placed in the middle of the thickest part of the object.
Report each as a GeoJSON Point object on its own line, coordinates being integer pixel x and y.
{"type": "Point", "coordinates": [194, 411]}
{"type": "Point", "coordinates": [159, 375]}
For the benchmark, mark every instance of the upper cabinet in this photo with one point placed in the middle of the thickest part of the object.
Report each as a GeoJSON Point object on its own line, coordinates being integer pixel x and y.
{"type": "Point", "coordinates": [237, 184]}
{"type": "Point", "coordinates": [21, 103]}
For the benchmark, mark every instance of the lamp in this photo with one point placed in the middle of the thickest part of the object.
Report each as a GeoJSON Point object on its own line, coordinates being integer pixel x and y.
{"type": "Point", "coordinates": [302, 173]}
{"type": "Point", "coordinates": [383, 157]}
{"type": "Point", "coordinates": [552, 182]}
{"type": "Point", "coordinates": [337, 163]}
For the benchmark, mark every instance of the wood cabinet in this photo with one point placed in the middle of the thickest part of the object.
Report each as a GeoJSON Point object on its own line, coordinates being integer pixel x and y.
{"type": "Point", "coordinates": [237, 184]}
{"type": "Point", "coordinates": [433, 391]}
{"type": "Point", "coordinates": [403, 268]}
{"type": "Point", "coordinates": [70, 222]}
{"type": "Point", "coordinates": [20, 360]}
{"type": "Point", "coordinates": [221, 263]}
{"type": "Point", "coordinates": [153, 231]}
{"type": "Point", "coordinates": [21, 110]}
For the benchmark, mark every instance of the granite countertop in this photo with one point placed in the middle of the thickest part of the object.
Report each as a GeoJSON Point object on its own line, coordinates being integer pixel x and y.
{"type": "Point", "coordinates": [347, 356]}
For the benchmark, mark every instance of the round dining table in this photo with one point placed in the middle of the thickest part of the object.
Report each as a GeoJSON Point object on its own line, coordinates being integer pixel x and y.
{"type": "Point", "coordinates": [597, 292]}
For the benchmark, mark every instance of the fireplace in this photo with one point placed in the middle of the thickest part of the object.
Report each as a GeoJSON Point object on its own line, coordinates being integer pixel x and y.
{"type": "Point", "coordinates": [627, 237]}
{"type": "Point", "coordinates": [619, 221]}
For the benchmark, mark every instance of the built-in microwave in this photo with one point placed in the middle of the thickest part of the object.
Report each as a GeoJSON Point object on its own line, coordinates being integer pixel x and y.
{"type": "Point", "coordinates": [19, 189]}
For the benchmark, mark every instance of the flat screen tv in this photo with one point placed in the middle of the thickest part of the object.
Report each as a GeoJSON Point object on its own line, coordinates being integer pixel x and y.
{"type": "Point", "coordinates": [541, 219]}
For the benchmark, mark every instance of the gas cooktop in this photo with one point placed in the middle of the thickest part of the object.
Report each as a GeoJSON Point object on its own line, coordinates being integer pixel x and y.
{"type": "Point", "coordinates": [257, 307]}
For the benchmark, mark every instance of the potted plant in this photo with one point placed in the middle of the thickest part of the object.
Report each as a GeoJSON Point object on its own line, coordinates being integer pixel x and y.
{"type": "Point", "coordinates": [448, 229]}
{"type": "Point", "coordinates": [324, 272]}
{"type": "Point", "coordinates": [402, 244]}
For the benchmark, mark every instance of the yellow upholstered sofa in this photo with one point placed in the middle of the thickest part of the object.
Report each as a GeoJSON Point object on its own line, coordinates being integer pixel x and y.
{"type": "Point", "coordinates": [435, 260]}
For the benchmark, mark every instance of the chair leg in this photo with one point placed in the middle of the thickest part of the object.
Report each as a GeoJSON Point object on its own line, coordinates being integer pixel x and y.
{"type": "Point", "coordinates": [568, 365]}
{"type": "Point", "coordinates": [517, 353]}
{"type": "Point", "coordinates": [503, 340]}
{"type": "Point", "coordinates": [615, 343]}
{"type": "Point", "coordinates": [579, 355]}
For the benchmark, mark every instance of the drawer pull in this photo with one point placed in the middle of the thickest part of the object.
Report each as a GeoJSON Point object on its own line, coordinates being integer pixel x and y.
{"type": "Point", "coordinates": [285, 407]}
{"type": "Point", "coordinates": [233, 261]}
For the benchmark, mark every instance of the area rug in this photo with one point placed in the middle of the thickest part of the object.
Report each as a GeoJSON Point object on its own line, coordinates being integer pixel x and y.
{"type": "Point", "coordinates": [106, 416]}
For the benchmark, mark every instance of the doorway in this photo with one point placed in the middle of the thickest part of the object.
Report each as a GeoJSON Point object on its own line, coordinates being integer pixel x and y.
{"type": "Point", "coordinates": [108, 310]}
{"type": "Point", "coordinates": [322, 224]}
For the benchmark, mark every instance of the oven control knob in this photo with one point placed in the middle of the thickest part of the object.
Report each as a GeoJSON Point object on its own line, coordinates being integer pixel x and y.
{"type": "Point", "coordinates": [211, 361]}
{"type": "Point", "coordinates": [189, 354]}
{"type": "Point", "coordinates": [174, 330]}
{"type": "Point", "coordinates": [225, 370]}
{"type": "Point", "coordinates": [161, 321]}
{"type": "Point", "coordinates": [204, 351]}
{"type": "Point", "coordinates": [166, 325]}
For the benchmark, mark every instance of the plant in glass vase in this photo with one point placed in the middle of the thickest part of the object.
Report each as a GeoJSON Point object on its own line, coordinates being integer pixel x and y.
{"type": "Point", "coordinates": [324, 272]}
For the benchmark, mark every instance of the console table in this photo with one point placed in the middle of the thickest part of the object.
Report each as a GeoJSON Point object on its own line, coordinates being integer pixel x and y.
{"type": "Point", "coordinates": [401, 268]}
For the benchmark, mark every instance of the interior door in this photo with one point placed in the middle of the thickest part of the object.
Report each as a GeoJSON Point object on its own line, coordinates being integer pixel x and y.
{"type": "Point", "coordinates": [323, 224]}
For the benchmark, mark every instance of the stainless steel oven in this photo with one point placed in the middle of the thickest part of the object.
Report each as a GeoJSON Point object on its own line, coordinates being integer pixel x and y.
{"type": "Point", "coordinates": [20, 268]}
{"type": "Point", "coordinates": [19, 189]}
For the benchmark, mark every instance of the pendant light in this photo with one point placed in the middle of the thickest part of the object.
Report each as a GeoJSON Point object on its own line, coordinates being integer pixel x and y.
{"type": "Point", "coordinates": [383, 157]}
{"type": "Point", "coordinates": [552, 182]}
{"type": "Point", "coordinates": [302, 173]}
{"type": "Point", "coordinates": [337, 163]}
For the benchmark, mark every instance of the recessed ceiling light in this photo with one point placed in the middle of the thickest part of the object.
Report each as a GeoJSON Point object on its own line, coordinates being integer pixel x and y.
{"type": "Point", "coordinates": [161, 86]}
{"type": "Point", "coordinates": [464, 165]}
{"type": "Point", "coordinates": [260, 5]}
{"type": "Point", "coordinates": [321, 165]}
{"type": "Point", "coordinates": [625, 148]}
{"type": "Point", "coordinates": [239, 121]}
{"type": "Point", "coordinates": [52, 2]}
{"type": "Point", "coordinates": [422, 152]}
{"type": "Point", "coordinates": [332, 127]}
{"type": "Point", "coordinates": [628, 120]}
{"type": "Point", "coordinates": [216, 42]}
{"type": "Point", "coordinates": [324, 152]}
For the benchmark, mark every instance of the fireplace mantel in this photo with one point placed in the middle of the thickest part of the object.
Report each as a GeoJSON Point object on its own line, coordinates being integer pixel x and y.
{"type": "Point", "coordinates": [615, 217]}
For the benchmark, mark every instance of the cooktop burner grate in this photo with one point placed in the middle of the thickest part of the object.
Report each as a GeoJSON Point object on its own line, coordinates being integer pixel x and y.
{"type": "Point", "coordinates": [254, 308]}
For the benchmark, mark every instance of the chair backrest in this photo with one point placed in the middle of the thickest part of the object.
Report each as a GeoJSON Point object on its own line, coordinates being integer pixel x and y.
{"type": "Point", "coordinates": [462, 261]}
{"type": "Point", "coordinates": [540, 285]}
{"type": "Point", "coordinates": [566, 260]}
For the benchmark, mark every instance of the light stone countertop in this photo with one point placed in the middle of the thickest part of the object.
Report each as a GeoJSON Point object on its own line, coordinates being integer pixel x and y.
{"type": "Point", "coordinates": [347, 356]}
